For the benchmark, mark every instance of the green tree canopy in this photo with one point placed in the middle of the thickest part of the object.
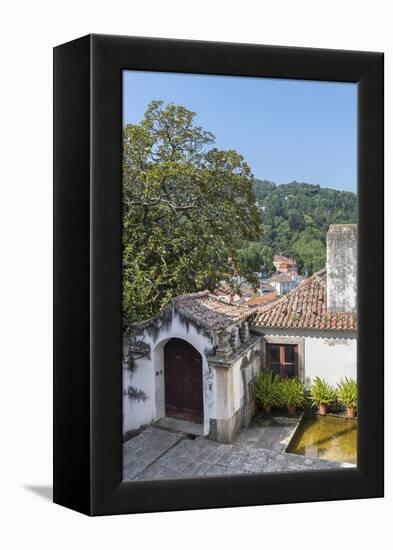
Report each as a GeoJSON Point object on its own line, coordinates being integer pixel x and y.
{"type": "Point", "coordinates": [296, 217]}
{"type": "Point", "coordinates": [186, 206]}
{"type": "Point", "coordinates": [310, 253]}
{"type": "Point", "coordinates": [256, 256]}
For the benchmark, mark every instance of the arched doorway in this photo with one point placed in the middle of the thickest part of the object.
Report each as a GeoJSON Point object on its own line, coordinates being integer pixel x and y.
{"type": "Point", "coordinates": [183, 381]}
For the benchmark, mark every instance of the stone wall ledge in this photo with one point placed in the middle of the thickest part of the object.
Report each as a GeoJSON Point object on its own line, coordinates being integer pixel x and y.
{"type": "Point", "coordinates": [227, 363]}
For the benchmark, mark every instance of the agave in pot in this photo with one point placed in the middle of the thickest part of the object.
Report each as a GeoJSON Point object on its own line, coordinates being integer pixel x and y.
{"type": "Point", "coordinates": [291, 394]}
{"type": "Point", "coordinates": [322, 394]}
{"type": "Point", "coordinates": [347, 395]}
{"type": "Point", "coordinates": [267, 391]}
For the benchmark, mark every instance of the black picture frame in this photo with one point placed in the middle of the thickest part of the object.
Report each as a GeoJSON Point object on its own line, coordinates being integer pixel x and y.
{"type": "Point", "coordinates": [87, 273]}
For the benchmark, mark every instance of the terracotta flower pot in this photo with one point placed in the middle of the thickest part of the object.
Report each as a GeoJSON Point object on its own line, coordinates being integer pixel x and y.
{"type": "Point", "coordinates": [292, 409]}
{"type": "Point", "coordinates": [350, 412]}
{"type": "Point", "coordinates": [323, 409]}
{"type": "Point", "coordinates": [268, 409]}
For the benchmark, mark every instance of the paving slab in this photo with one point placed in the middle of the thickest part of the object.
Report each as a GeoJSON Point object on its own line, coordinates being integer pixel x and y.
{"type": "Point", "coordinates": [267, 434]}
{"type": "Point", "coordinates": [160, 454]}
{"type": "Point", "coordinates": [188, 458]}
{"type": "Point", "coordinates": [144, 449]}
{"type": "Point", "coordinates": [181, 426]}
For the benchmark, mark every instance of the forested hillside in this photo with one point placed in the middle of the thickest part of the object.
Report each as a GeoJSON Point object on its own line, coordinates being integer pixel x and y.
{"type": "Point", "coordinates": [296, 217]}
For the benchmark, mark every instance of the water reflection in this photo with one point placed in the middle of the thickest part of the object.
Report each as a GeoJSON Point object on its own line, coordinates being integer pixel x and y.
{"type": "Point", "coordinates": [327, 437]}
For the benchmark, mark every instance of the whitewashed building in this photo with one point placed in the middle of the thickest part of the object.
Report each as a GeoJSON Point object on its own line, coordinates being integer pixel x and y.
{"type": "Point", "coordinates": [196, 361]}
{"type": "Point", "coordinates": [283, 283]}
{"type": "Point", "coordinates": [312, 331]}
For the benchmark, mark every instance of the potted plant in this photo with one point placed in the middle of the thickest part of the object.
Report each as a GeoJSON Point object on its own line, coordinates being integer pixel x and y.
{"type": "Point", "coordinates": [291, 394]}
{"type": "Point", "coordinates": [347, 395]}
{"type": "Point", "coordinates": [267, 391]}
{"type": "Point", "coordinates": [322, 394]}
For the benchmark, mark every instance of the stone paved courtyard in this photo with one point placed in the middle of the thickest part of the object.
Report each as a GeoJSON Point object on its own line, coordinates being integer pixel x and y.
{"type": "Point", "coordinates": [157, 453]}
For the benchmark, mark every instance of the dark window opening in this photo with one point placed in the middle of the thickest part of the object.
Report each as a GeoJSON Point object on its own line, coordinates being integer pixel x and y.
{"type": "Point", "coordinates": [282, 359]}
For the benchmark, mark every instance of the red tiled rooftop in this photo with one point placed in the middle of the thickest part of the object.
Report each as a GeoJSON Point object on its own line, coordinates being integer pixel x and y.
{"type": "Point", "coordinates": [206, 309]}
{"type": "Point", "coordinates": [305, 307]}
{"type": "Point", "coordinates": [261, 300]}
{"type": "Point", "coordinates": [284, 259]}
{"type": "Point", "coordinates": [226, 289]}
{"type": "Point", "coordinates": [210, 311]}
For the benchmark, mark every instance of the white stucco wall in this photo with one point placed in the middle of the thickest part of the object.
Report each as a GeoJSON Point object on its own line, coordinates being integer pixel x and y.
{"type": "Point", "coordinates": [229, 383]}
{"type": "Point", "coordinates": [137, 413]}
{"type": "Point", "coordinates": [330, 358]}
{"type": "Point", "coordinates": [150, 406]}
{"type": "Point", "coordinates": [225, 386]}
{"type": "Point", "coordinates": [331, 355]}
{"type": "Point", "coordinates": [241, 378]}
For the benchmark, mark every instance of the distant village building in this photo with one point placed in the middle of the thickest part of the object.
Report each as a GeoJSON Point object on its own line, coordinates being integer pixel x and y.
{"type": "Point", "coordinates": [226, 293]}
{"type": "Point", "coordinates": [283, 283]}
{"type": "Point", "coordinates": [265, 288]}
{"type": "Point", "coordinates": [284, 264]}
{"type": "Point", "coordinates": [286, 277]}
{"type": "Point", "coordinates": [197, 360]}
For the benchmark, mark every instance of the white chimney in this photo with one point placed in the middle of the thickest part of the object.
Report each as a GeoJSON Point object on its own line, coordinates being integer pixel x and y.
{"type": "Point", "coordinates": [341, 268]}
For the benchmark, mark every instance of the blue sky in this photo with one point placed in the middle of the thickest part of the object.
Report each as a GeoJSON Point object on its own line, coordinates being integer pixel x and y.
{"type": "Point", "coordinates": [285, 129]}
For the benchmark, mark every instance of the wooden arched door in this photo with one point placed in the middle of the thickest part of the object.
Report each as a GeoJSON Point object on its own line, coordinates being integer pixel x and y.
{"type": "Point", "coordinates": [183, 381]}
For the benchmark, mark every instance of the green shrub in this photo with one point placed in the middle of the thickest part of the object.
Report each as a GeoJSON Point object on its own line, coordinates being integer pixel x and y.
{"type": "Point", "coordinates": [291, 392]}
{"type": "Point", "coordinates": [322, 393]}
{"type": "Point", "coordinates": [267, 390]}
{"type": "Point", "coordinates": [347, 392]}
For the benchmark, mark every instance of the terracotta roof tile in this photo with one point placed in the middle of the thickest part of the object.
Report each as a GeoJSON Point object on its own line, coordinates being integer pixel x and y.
{"type": "Point", "coordinates": [284, 259]}
{"type": "Point", "coordinates": [225, 288]}
{"type": "Point", "coordinates": [305, 307]}
{"type": "Point", "coordinates": [261, 300]}
{"type": "Point", "coordinates": [206, 309]}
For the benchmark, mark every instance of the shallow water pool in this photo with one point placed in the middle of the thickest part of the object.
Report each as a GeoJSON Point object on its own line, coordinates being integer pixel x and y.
{"type": "Point", "coordinates": [326, 437]}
